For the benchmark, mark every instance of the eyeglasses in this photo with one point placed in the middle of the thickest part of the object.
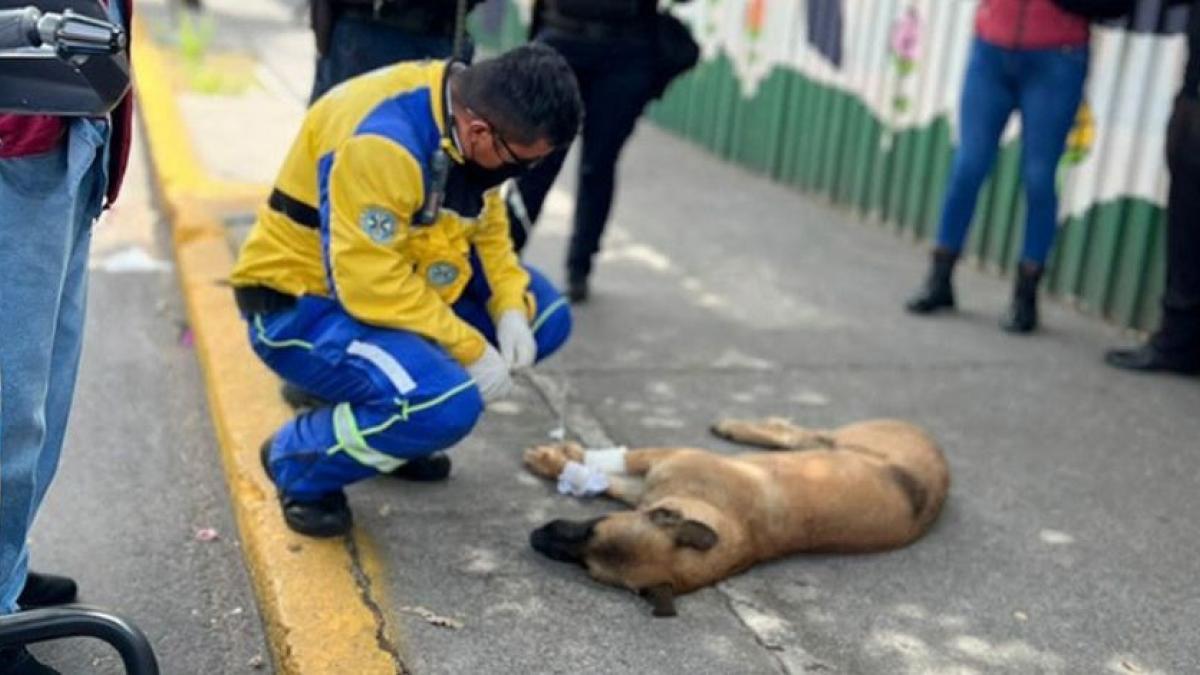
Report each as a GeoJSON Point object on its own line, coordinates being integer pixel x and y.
{"type": "Point", "coordinates": [513, 158]}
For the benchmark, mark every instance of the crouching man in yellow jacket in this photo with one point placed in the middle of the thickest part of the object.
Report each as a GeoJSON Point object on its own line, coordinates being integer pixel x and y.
{"type": "Point", "coordinates": [380, 275]}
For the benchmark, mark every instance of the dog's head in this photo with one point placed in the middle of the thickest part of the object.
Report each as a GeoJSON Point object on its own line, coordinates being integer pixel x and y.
{"type": "Point", "coordinates": [657, 551]}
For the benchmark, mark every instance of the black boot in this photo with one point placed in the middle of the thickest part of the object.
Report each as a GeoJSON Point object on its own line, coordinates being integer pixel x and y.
{"type": "Point", "coordinates": [18, 661]}
{"type": "Point", "coordinates": [46, 590]}
{"type": "Point", "coordinates": [1022, 316]}
{"type": "Point", "coordinates": [429, 469]}
{"type": "Point", "coordinates": [327, 516]}
{"type": "Point", "coordinates": [936, 293]}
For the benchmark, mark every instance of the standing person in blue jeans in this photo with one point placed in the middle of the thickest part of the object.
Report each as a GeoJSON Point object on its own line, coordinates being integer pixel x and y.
{"type": "Point", "coordinates": [56, 174]}
{"type": "Point", "coordinates": [1030, 56]}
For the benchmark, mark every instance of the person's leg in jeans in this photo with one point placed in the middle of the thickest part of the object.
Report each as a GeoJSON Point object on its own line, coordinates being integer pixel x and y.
{"type": "Point", "coordinates": [988, 99]}
{"type": "Point", "coordinates": [358, 46]}
{"type": "Point", "coordinates": [49, 204]}
{"type": "Point", "coordinates": [613, 102]}
{"type": "Point", "coordinates": [1051, 88]}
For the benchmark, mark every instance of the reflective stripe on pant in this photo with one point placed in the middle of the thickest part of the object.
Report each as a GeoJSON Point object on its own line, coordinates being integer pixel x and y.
{"type": "Point", "coordinates": [397, 395]}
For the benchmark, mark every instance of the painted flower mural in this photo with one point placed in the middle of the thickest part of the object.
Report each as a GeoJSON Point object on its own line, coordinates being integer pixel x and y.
{"type": "Point", "coordinates": [1079, 141]}
{"type": "Point", "coordinates": [906, 50]}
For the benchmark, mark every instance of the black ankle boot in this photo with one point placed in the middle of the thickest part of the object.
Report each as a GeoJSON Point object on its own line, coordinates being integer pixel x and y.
{"type": "Point", "coordinates": [327, 516]}
{"type": "Point", "coordinates": [1022, 316]}
{"type": "Point", "coordinates": [936, 293]}
{"type": "Point", "coordinates": [46, 590]}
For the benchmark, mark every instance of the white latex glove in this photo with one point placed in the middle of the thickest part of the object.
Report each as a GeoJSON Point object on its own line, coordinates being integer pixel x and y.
{"type": "Point", "coordinates": [517, 345]}
{"type": "Point", "coordinates": [490, 373]}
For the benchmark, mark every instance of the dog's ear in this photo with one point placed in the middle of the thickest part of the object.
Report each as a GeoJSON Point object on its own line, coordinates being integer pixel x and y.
{"type": "Point", "coordinates": [662, 598]}
{"type": "Point", "coordinates": [665, 517]}
{"type": "Point", "coordinates": [695, 534]}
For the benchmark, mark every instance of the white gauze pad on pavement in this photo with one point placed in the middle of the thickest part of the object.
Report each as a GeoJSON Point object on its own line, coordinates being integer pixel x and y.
{"type": "Point", "coordinates": [581, 481]}
{"type": "Point", "coordinates": [608, 460]}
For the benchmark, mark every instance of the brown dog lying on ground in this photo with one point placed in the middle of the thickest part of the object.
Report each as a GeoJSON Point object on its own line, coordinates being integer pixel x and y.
{"type": "Point", "coordinates": [700, 517]}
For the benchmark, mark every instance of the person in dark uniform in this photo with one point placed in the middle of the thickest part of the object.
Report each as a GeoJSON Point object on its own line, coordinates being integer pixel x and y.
{"type": "Point", "coordinates": [358, 36]}
{"type": "Point", "coordinates": [1175, 346]}
{"type": "Point", "coordinates": [611, 45]}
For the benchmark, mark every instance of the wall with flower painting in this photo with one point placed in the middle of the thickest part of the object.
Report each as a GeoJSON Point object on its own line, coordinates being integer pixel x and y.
{"type": "Point", "coordinates": [855, 100]}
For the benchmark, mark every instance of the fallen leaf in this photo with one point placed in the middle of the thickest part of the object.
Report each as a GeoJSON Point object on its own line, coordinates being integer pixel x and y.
{"type": "Point", "coordinates": [431, 618]}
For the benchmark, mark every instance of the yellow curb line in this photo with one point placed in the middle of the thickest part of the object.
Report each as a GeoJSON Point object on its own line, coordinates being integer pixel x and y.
{"type": "Point", "coordinates": [320, 599]}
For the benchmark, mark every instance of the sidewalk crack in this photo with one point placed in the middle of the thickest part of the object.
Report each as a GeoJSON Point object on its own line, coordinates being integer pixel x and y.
{"type": "Point", "coordinates": [365, 588]}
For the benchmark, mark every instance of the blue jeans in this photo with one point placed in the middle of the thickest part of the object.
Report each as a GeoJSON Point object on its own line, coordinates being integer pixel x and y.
{"type": "Point", "coordinates": [358, 46]}
{"type": "Point", "coordinates": [394, 395]}
{"type": "Point", "coordinates": [1046, 85]}
{"type": "Point", "coordinates": [47, 205]}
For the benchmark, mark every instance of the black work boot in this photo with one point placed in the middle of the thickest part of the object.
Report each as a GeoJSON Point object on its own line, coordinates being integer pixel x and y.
{"type": "Point", "coordinates": [1022, 316]}
{"type": "Point", "coordinates": [46, 590]}
{"type": "Point", "coordinates": [936, 293]}
{"type": "Point", "coordinates": [429, 469]}
{"type": "Point", "coordinates": [327, 516]}
{"type": "Point", "coordinates": [18, 661]}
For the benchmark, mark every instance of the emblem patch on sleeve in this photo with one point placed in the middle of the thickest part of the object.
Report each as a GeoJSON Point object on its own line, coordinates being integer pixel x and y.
{"type": "Point", "coordinates": [378, 223]}
{"type": "Point", "coordinates": [441, 273]}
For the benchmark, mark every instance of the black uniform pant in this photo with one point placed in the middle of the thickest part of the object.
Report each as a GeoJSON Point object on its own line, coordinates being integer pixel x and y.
{"type": "Point", "coordinates": [1179, 332]}
{"type": "Point", "coordinates": [616, 79]}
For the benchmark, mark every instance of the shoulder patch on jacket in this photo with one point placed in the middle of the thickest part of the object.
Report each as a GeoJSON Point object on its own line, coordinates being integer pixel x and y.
{"type": "Point", "coordinates": [378, 223]}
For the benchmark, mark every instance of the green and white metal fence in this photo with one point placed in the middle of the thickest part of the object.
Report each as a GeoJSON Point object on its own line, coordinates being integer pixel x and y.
{"type": "Point", "coordinates": [856, 100]}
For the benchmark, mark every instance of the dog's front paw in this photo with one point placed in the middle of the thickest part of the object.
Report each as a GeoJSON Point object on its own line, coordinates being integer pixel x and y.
{"type": "Point", "coordinates": [548, 461]}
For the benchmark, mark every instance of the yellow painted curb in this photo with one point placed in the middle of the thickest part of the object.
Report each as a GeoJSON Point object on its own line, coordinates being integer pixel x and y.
{"type": "Point", "coordinates": [321, 600]}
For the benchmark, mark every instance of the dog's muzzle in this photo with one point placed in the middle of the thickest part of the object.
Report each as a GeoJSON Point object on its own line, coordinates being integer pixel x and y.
{"type": "Point", "coordinates": [563, 540]}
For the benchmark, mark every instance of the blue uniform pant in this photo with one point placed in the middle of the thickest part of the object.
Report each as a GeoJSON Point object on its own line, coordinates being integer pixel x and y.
{"type": "Point", "coordinates": [47, 205]}
{"type": "Point", "coordinates": [1046, 85]}
{"type": "Point", "coordinates": [396, 395]}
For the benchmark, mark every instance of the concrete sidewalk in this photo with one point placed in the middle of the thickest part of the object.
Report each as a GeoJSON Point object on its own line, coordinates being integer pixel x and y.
{"type": "Point", "coordinates": [1067, 544]}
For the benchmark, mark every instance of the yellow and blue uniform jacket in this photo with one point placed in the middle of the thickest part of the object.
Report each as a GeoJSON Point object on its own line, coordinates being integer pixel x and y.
{"type": "Point", "coordinates": [340, 220]}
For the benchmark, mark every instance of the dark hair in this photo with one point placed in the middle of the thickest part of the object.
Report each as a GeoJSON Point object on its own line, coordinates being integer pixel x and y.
{"type": "Point", "coordinates": [528, 93]}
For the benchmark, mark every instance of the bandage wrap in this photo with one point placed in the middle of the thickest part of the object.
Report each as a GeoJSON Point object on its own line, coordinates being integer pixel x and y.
{"type": "Point", "coordinates": [607, 460]}
{"type": "Point", "coordinates": [581, 481]}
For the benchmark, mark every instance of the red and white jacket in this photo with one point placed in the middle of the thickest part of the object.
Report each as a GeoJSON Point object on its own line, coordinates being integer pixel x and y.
{"type": "Point", "coordinates": [1030, 24]}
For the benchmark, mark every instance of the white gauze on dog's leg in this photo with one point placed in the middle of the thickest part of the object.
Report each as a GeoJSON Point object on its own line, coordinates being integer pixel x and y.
{"type": "Point", "coordinates": [581, 481]}
{"type": "Point", "coordinates": [607, 460]}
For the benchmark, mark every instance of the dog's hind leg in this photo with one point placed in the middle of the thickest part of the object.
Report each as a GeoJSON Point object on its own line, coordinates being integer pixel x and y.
{"type": "Point", "coordinates": [772, 432]}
